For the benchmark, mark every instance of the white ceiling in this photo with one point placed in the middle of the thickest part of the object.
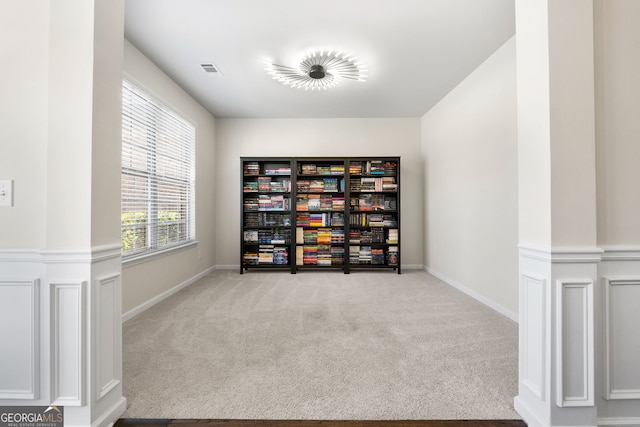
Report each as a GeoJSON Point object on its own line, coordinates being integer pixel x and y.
{"type": "Point", "coordinates": [416, 51]}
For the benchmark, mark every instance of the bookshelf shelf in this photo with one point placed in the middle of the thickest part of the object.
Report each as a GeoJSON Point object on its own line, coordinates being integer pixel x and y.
{"type": "Point", "coordinates": [319, 213]}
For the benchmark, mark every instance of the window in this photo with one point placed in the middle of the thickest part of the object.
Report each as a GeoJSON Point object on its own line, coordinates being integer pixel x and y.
{"type": "Point", "coordinates": [157, 175]}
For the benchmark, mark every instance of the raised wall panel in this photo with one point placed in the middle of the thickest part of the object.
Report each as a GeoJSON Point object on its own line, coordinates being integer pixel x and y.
{"type": "Point", "coordinates": [622, 323]}
{"type": "Point", "coordinates": [575, 343]}
{"type": "Point", "coordinates": [19, 335]}
{"type": "Point", "coordinates": [533, 330]}
{"type": "Point", "coordinates": [68, 343]}
{"type": "Point", "coordinates": [108, 323]}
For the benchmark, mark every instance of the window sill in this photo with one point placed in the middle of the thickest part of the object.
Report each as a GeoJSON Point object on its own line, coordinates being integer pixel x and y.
{"type": "Point", "coordinates": [150, 256]}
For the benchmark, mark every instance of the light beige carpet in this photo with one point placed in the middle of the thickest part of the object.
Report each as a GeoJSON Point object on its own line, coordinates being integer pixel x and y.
{"type": "Point", "coordinates": [320, 345]}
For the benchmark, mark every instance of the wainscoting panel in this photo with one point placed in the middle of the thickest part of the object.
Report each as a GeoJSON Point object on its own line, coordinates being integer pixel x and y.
{"type": "Point", "coordinates": [622, 339]}
{"type": "Point", "coordinates": [533, 333]}
{"type": "Point", "coordinates": [575, 343]}
{"type": "Point", "coordinates": [108, 322]}
{"type": "Point", "coordinates": [68, 311]}
{"type": "Point", "coordinates": [20, 335]}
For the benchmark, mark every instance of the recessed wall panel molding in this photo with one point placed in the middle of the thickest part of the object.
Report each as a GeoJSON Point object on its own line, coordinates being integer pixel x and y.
{"type": "Point", "coordinates": [68, 319]}
{"type": "Point", "coordinates": [108, 335]}
{"type": "Point", "coordinates": [20, 335]}
{"type": "Point", "coordinates": [533, 333]}
{"type": "Point", "coordinates": [622, 355]}
{"type": "Point", "coordinates": [575, 343]}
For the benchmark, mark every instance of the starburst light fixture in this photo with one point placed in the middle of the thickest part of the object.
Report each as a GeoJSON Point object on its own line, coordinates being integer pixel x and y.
{"type": "Point", "coordinates": [319, 69]}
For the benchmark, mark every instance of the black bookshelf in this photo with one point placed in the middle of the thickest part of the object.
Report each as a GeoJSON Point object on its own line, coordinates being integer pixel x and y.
{"type": "Point", "coordinates": [267, 213]}
{"type": "Point", "coordinates": [340, 213]}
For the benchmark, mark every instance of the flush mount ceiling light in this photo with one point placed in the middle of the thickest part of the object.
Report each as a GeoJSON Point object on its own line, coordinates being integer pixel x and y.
{"type": "Point", "coordinates": [319, 69]}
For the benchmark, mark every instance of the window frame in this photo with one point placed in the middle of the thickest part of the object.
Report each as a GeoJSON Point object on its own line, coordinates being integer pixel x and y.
{"type": "Point", "coordinates": [161, 112]}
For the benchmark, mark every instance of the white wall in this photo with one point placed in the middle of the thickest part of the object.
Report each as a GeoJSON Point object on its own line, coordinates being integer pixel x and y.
{"type": "Point", "coordinates": [143, 282]}
{"type": "Point", "coordinates": [617, 78]}
{"type": "Point", "coordinates": [471, 184]}
{"type": "Point", "coordinates": [617, 124]}
{"type": "Point", "coordinates": [316, 137]}
{"type": "Point", "coordinates": [23, 134]}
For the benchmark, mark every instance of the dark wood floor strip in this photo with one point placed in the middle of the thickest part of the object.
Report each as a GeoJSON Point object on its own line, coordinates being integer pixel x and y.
{"type": "Point", "coordinates": [137, 422]}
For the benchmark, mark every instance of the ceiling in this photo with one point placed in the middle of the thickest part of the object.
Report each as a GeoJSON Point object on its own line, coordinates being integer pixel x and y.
{"type": "Point", "coordinates": [416, 51]}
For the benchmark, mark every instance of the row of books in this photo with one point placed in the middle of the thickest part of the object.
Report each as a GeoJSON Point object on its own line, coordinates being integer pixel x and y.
{"type": "Point", "coordinates": [373, 202]}
{"type": "Point", "coordinates": [318, 202]}
{"type": "Point", "coordinates": [253, 168]}
{"type": "Point", "coordinates": [375, 235]}
{"type": "Point", "coordinates": [373, 220]}
{"type": "Point", "coordinates": [320, 219]}
{"type": "Point", "coordinates": [323, 185]}
{"type": "Point", "coordinates": [373, 167]}
{"type": "Point", "coordinates": [266, 255]}
{"type": "Point", "coordinates": [320, 255]}
{"type": "Point", "coordinates": [265, 202]}
{"type": "Point", "coordinates": [268, 236]}
{"type": "Point", "coordinates": [266, 219]}
{"type": "Point", "coordinates": [266, 184]}
{"type": "Point", "coordinates": [320, 169]}
{"type": "Point", "coordinates": [375, 256]}
{"type": "Point", "coordinates": [320, 236]}
{"type": "Point", "coordinates": [386, 183]}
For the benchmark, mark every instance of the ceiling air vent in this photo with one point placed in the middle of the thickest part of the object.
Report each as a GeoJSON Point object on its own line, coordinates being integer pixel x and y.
{"type": "Point", "coordinates": [210, 67]}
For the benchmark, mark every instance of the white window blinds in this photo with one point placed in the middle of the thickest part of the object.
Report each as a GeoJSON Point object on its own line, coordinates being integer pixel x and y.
{"type": "Point", "coordinates": [157, 174]}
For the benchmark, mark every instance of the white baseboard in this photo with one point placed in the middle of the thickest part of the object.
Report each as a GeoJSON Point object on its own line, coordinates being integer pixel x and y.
{"type": "Point", "coordinates": [412, 266]}
{"type": "Point", "coordinates": [619, 421]}
{"type": "Point", "coordinates": [227, 267]}
{"type": "Point", "coordinates": [473, 294]}
{"type": "Point", "coordinates": [155, 300]}
{"type": "Point", "coordinates": [109, 418]}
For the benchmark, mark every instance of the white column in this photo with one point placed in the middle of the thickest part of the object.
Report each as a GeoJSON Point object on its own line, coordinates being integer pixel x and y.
{"type": "Point", "coordinates": [61, 292]}
{"type": "Point", "coordinates": [557, 209]}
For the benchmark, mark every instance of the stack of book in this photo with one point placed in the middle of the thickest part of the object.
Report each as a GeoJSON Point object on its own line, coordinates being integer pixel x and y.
{"type": "Point", "coordinates": [354, 254]}
{"type": "Point", "coordinates": [375, 167]}
{"type": "Point", "coordinates": [250, 186]}
{"type": "Point", "coordinates": [250, 258]}
{"type": "Point", "coordinates": [310, 237]}
{"type": "Point", "coordinates": [324, 255]}
{"type": "Point", "coordinates": [377, 235]}
{"type": "Point", "coordinates": [281, 186]}
{"type": "Point", "coordinates": [337, 255]}
{"type": "Point", "coordinates": [272, 203]}
{"type": "Point", "coordinates": [337, 236]}
{"type": "Point", "coordinates": [337, 218]}
{"type": "Point", "coordinates": [390, 168]}
{"type": "Point", "coordinates": [310, 254]}
{"type": "Point", "coordinates": [307, 169]}
{"type": "Point", "coordinates": [389, 184]}
{"type": "Point", "coordinates": [251, 168]}
{"type": "Point", "coordinates": [392, 236]}
{"type": "Point", "coordinates": [265, 254]}
{"type": "Point", "coordinates": [280, 255]}
{"type": "Point", "coordinates": [364, 256]}
{"type": "Point", "coordinates": [355, 168]}
{"type": "Point", "coordinates": [324, 236]}
{"type": "Point", "coordinates": [389, 221]}
{"type": "Point", "coordinates": [264, 183]}
{"type": "Point", "coordinates": [284, 170]}
{"type": "Point", "coordinates": [377, 256]}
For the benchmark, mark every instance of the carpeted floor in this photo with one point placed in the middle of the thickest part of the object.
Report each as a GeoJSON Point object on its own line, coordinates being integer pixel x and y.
{"type": "Point", "coordinates": [320, 345]}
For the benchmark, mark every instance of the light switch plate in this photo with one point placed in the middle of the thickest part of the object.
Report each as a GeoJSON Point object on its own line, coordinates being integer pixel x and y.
{"type": "Point", "coordinates": [6, 192]}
